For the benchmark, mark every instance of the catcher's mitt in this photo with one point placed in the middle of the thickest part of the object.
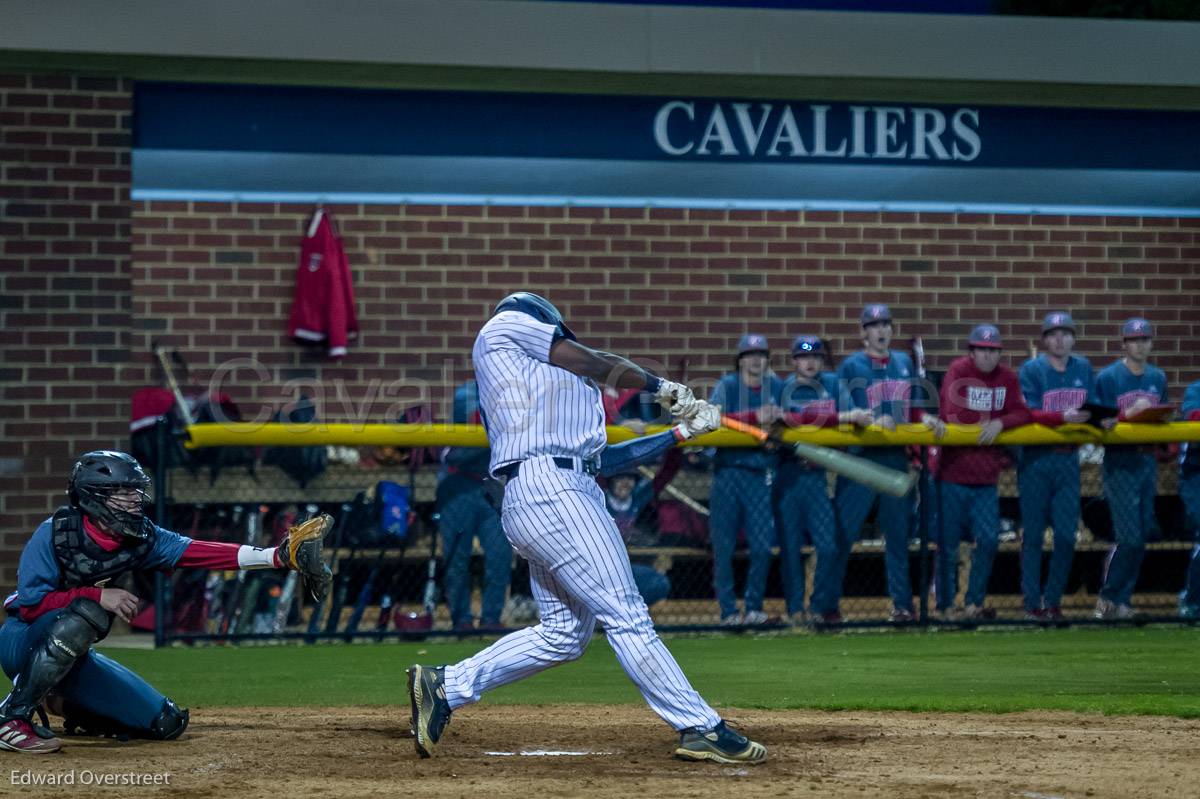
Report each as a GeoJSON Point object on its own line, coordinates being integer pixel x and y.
{"type": "Point", "coordinates": [300, 550]}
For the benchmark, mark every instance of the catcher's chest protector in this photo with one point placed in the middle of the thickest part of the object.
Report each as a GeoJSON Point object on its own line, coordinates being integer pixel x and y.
{"type": "Point", "coordinates": [81, 561]}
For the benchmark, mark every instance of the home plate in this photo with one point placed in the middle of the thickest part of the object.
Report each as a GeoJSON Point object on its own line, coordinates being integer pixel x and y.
{"type": "Point", "coordinates": [544, 753]}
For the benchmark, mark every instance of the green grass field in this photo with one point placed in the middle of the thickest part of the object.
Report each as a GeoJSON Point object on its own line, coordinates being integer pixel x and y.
{"type": "Point", "coordinates": [1139, 671]}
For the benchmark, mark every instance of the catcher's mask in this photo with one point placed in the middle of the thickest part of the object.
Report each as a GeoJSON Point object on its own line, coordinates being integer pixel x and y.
{"type": "Point", "coordinates": [112, 488]}
{"type": "Point", "coordinates": [536, 306]}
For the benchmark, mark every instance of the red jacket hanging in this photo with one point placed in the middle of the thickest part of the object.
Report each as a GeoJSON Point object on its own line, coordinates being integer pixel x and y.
{"type": "Point", "coordinates": [323, 308]}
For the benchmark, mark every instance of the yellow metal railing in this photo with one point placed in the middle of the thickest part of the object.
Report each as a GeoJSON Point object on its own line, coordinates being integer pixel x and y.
{"type": "Point", "coordinates": [222, 434]}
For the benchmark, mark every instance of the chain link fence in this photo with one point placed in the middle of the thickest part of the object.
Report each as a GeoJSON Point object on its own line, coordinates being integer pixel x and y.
{"type": "Point", "coordinates": [1064, 535]}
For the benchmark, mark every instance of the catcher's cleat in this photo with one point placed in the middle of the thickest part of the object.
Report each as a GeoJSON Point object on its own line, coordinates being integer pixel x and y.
{"type": "Point", "coordinates": [721, 745]}
{"type": "Point", "coordinates": [430, 710]}
{"type": "Point", "coordinates": [20, 735]}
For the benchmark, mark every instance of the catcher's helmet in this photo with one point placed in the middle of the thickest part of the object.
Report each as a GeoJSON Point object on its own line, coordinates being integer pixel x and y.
{"type": "Point", "coordinates": [536, 306]}
{"type": "Point", "coordinates": [97, 477]}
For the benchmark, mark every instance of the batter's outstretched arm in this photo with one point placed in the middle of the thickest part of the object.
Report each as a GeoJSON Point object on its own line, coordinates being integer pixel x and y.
{"type": "Point", "coordinates": [618, 458]}
{"type": "Point", "coordinates": [603, 367]}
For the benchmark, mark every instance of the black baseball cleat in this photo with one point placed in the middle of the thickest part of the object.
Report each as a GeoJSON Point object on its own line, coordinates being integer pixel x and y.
{"type": "Point", "coordinates": [721, 745]}
{"type": "Point", "coordinates": [430, 710]}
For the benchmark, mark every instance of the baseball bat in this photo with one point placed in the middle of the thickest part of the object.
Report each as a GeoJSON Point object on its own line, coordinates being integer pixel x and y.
{"type": "Point", "coordinates": [185, 412]}
{"type": "Point", "coordinates": [287, 595]}
{"type": "Point", "coordinates": [429, 596]}
{"type": "Point", "coordinates": [233, 613]}
{"type": "Point", "coordinates": [314, 621]}
{"type": "Point", "coordinates": [890, 481]}
{"type": "Point", "coordinates": [648, 473]}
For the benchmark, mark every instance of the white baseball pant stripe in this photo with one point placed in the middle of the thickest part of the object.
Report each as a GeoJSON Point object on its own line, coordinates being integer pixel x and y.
{"type": "Point", "coordinates": [580, 572]}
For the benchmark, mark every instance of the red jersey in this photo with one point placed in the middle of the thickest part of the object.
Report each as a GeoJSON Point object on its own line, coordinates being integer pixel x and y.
{"type": "Point", "coordinates": [969, 396]}
{"type": "Point", "coordinates": [323, 308]}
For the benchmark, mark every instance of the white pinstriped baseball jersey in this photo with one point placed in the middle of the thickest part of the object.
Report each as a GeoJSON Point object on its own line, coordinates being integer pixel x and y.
{"type": "Point", "coordinates": [556, 519]}
{"type": "Point", "coordinates": [529, 406]}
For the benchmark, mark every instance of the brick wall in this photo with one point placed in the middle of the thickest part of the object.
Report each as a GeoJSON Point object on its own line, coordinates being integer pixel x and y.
{"type": "Point", "coordinates": [80, 310]}
{"type": "Point", "coordinates": [658, 284]}
{"type": "Point", "coordinates": [64, 287]}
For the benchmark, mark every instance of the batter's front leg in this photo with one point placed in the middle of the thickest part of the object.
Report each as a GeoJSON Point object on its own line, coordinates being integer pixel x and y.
{"type": "Point", "coordinates": [562, 635]}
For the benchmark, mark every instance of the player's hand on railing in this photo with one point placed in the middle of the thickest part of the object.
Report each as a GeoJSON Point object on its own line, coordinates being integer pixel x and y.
{"type": "Point", "coordinates": [1076, 416]}
{"type": "Point", "coordinates": [119, 601]}
{"type": "Point", "coordinates": [933, 423]}
{"type": "Point", "coordinates": [769, 415]}
{"type": "Point", "coordinates": [859, 417]}
{"type": "Point", "coordinates": [989, 431]}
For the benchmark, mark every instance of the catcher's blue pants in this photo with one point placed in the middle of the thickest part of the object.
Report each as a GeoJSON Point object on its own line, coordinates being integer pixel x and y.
{"type": "Point", "coordinates": [805, 515]}
{"type": "Point", "coordinates": [466, 514]}
{"type": "Point", "coordinates": [1048, 482]}
{"type": "Point", "coordinates": [1129, 487]}
{"type": "Point", "coordinates": [96, 683]}
{"type": "Point", "coordinates": [853, 502]}
{"type": "Point", "coordinates": [965, 507]}
{"type": "Point", "coordinates": [740, 499]}
{"type": "Point", "coordinates": [1189, 492]}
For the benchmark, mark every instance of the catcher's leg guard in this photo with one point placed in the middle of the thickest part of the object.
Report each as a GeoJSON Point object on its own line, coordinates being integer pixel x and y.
{"type": "Point", "coordinates": [168, 725]}
{"type": "Point", "coordinates": [70, 636]}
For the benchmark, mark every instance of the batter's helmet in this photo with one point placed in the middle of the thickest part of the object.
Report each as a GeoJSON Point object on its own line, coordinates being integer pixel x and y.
{"type": "Point", "coordinates": [536, 306]}
{"type": "Point", "coordinates": [97, 476]}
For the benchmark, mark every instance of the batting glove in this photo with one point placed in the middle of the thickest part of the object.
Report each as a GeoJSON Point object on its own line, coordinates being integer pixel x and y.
{"type": "Point", "coordinates": [675, 397]}
{"type": "Point", "coordinates": [704, 418]}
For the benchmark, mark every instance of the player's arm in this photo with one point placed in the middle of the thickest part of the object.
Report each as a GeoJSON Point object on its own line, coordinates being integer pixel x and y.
{"type": "Point", "coordinates": [644, 449]}
{"type": "Point", "coordinates": [300, 550]}
{"type": "Point", "coordinates": [613, 370]}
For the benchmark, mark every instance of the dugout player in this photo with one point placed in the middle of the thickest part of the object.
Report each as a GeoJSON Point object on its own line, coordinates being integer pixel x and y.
{"type": "Point", "coordinates": [61, 607]}
{"type": "Point", "coordinates": [1056, 385]}
{"type": "Point", "coordinates": [464, 513]}
{"type": "Point", "coordinates": [810, 396]}
{"type": "Point", "coordinates": [978, 390]}
{"type": "Point", "coordinates": [1131, 385]}
{"type": "Point", "coordinates": [880, 380]}
{"type": "Point", "coordinates": [544, 416]}
{"type": "Point", "coordinates": [1189, 492]}
{"type": "Point", "coordinates": [742, 478]}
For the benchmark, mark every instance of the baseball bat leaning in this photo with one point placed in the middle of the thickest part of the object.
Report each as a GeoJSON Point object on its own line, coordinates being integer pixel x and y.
{"type": "Point", "coordinates": [890, 481]}
{"type": "Point", "coordinates": [648, 473]}
{"type": "Point", "coordinates": [185, 411]}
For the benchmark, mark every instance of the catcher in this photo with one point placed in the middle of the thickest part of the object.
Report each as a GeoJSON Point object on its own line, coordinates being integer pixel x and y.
{"type": "Point", "coordinates": [62, 606]}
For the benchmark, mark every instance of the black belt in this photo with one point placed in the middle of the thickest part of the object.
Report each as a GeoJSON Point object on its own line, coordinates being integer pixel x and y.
{"type": "Point", "coordinates": [510, 470]}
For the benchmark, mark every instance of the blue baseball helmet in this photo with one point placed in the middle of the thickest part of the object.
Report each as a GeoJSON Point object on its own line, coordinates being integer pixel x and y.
{"type": "Point", "coordinates": [536, 306]}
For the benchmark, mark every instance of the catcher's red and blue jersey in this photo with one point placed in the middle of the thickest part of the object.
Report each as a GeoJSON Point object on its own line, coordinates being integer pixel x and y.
{"type": "Point", "coordinates": [38, 571]}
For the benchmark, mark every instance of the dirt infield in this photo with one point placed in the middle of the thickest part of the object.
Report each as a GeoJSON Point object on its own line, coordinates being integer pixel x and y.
{"type": "Point", "coordinates": [368, 752]}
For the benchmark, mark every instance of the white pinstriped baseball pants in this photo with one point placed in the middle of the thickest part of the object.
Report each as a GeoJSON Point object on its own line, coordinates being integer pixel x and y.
{"type": "Point", "coordinates": [556, 519]}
